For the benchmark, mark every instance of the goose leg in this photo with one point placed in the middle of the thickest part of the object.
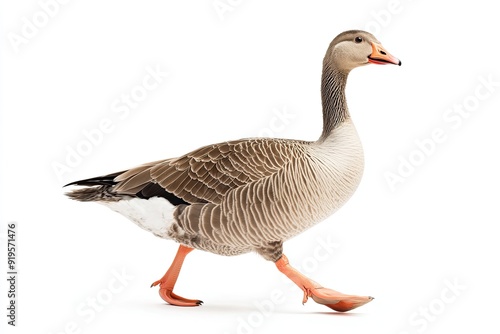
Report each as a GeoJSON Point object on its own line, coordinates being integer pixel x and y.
{"type": "Point", "coordinates": [335, 300]}
{"type": "Point", "coordinates": [168, 280]}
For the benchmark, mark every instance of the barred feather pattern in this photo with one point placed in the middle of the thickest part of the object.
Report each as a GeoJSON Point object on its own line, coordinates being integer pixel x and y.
{"type": "Point", "coordinates": [312, 185]}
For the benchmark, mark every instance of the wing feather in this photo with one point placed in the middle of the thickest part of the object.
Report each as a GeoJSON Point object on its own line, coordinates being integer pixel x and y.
{"type": "Point", "coordinates": [209, 173]}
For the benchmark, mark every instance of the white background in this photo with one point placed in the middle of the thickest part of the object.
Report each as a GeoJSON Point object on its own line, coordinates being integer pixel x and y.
{"type": "Point", "coordinates": [228, 75]}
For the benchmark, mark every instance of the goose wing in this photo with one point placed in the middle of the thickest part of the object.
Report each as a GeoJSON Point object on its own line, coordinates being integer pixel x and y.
{"type": "Point", "coordinates": [208, 173]}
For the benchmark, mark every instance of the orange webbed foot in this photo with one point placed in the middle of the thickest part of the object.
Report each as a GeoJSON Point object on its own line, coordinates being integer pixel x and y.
{"type": "Point", "coordinates": [338, 301]}
{"type": "Point", "coordinates": [170, 297]}
{"type": "Point", "coordinates": [333, 299]}
{"type": "Point", "coordinates": [167, 282]}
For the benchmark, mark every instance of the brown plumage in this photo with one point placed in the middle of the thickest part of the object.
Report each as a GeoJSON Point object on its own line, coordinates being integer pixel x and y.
{"type": "Point", "coordinates": [251, 194]}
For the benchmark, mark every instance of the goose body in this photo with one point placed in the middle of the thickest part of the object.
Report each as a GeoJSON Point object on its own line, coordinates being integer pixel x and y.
{"type": "Point", "coordinates": [251, 194]}
{"type": "Point", "coordinates": [299, 186]}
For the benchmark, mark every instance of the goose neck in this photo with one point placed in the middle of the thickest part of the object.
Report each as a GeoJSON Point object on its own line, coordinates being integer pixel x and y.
{"type": "Point", "coordinates": [334, 103]}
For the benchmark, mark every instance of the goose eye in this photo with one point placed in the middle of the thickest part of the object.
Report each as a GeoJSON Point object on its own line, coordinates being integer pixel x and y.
{"type": "Point", "coordinates": [358, 39]}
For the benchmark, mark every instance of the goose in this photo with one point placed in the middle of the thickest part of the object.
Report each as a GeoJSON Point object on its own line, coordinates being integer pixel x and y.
{"type": "Point", "coordinates": [251, 195]}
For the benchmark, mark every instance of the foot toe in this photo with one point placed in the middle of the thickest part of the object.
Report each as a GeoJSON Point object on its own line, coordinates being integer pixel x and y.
{"type": "Point", "coordinates": [338, 301]}
{"type": "Point", "coordinates": [155, 283]}
{"type": "Point", "coordinates": [170, 297]}
{"type": "Point", "coordinates": [348, 305]}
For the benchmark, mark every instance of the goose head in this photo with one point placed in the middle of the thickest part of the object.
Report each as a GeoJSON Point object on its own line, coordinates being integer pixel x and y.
{"type": "Point", "coordinates": [355, 48]}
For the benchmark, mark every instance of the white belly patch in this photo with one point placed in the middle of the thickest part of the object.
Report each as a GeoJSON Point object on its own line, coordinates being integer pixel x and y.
{"type": "Point", "coordinates": [154, 214]}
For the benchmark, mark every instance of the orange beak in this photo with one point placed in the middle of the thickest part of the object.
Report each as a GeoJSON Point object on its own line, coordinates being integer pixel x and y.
{"type": "Point", "coordinates": [380, 56]}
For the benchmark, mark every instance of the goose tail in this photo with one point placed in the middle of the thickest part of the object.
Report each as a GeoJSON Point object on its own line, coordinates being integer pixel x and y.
{"type": "Point", "coordinates": [95, 189]}
{"type": "Point", "coordinates": [93, 194]}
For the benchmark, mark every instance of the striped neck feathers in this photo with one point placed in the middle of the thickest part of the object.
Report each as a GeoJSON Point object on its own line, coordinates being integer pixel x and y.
{"type": "Point", "coordinates": [334, 103]}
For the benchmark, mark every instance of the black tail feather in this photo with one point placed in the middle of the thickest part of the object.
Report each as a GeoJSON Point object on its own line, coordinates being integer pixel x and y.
{"type": "Point", "coordinates": [101, 190]}
{"type": "Point", "coordinates": [106, 180]}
